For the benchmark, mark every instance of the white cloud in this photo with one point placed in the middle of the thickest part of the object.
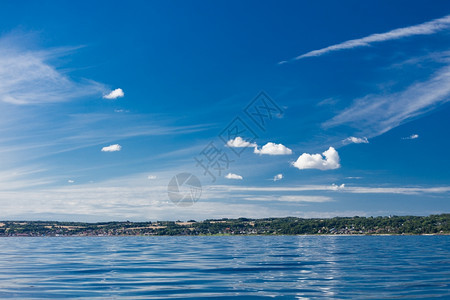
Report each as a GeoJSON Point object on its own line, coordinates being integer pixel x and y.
{"type": "Point", "coordinates": [397, 190]}
{"type": "Point", "coordinates": [117, 93]}
{"type": "Point", "coordinates": [108, 201]}
{"type": "Point", "coordinates": [134, 199]}
{"type": "Point", "coordinates": [151, 177]}
{"type": "Point", "coordinates": [342, 187]}
{"type": "Point", "coordinates": [411, 137]}
{"type": "Point", "coordinates": [329, 160]}
{"type": "Point", "coordinates": [70, 181]}
{"type": "Point", "coordinates": [112, 148]}
{"type": "Point", "coordinates": [273, 188]}
{"type": "Point", "coordinates": [376, 114]}
{"type": "Point", "coordinates": [27, 77]}
{"type": "Point", "coordinates": [356, 140]}
{"type": "Point", "coordinates": [121, 111]}
{"type": "Point", "coordinates": [421, 29]}
{"type": "Point", "coordinates": [25, 177]}
{"type": "Point", "coordinates": [234, 176]}
{"type": "Point", "coordinates": [239, 142]}
{"type": "Point", "coordinates": [301, 198]}
{"type": "Point", "coordinates": [290, 198]}
{"type": "Point", "coordinates": [278, 177]}
{"type": "Point", "coordinates": [273, 149]}
{"type": "Point", "coordinates": [336, 187]}
{"type": "Point", "coordinates": [269, 148]}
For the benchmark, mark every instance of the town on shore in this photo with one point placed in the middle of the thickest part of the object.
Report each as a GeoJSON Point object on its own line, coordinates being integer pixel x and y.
{"type": "Point", "coordinates": [397, 225]}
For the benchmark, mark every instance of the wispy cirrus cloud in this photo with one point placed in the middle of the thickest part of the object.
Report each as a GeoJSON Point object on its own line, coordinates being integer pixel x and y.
{"type": "Point", "coordinates": [426, 28]}
{"type": "Point", "coordinates": [355, 140]}
{"type": "Point", "coordinates": [27, 76]}
{"type": "Point", "coordinates": [290, 198]}
{"type": "Point", "coordinates": [398, 190]}
{"type": "Point", "coordinates": [373, 115]}
{"type": "Point", "coordinates": [135, 198]}
{"type": "Point", "coordinates": [413, 190]}
{"type": "Point", "coordinates": [24, 177]}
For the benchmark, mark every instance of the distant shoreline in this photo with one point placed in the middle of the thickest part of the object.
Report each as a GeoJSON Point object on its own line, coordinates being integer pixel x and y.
{"type": "Point", "coordinates": [227, 235]}
{"type": "Point", "coordinates": [338, 226]}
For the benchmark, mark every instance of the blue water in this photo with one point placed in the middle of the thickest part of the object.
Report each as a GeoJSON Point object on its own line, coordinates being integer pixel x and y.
{"type": "Point", "coordinates": [251, 267]}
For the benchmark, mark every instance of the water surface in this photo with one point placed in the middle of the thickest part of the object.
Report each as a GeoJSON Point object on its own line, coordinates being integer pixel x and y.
{"type": "Point", "coordinates": [248, 267]}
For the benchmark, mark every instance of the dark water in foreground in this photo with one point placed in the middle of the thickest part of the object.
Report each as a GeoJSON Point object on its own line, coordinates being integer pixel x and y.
{"type": "Point", "coordinates": [293, 267]}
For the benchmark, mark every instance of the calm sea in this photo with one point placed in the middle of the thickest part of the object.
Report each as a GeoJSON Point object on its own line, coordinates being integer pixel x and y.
{"type": "Point", "coordinates": [247, 267]}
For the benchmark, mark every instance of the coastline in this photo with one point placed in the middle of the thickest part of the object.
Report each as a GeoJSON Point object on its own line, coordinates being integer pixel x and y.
{"type": "Point", "coordinates": [219, 235]}
{"type": "Point", "coordinates": [337, 226]}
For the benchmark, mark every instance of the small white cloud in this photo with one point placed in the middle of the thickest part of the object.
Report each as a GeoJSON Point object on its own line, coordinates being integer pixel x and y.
{"type": "Point", "coordinates": [121, 111]}
{"type": "Point", "coordinates": [290, 198]}
{"type": "Point", "coordinates": [112, 148]}
{"type": "Point", "coordinates": [278, 177]}
{"type": "Point", "coordinates": [329, 160]}
{"type": "Point", "coordinates": [151, 177]}
{"type": "Point", "coordinates": [234, 176]}
{"type": "Point", "coordinates": [70, 181]}
{"type": "Point", "coordinates": [356, 140]}
{"type": "Point", "coordinates": [273, 149]}
{"type": "Point", "coordinates": [117, 93]}
{"type": "Point", "coordinates": [301, 198]}
{"type": "Point", "coordinates": [336, 187]}
{"type": "Point", "coordinates": [239, 142]}
{"type": "Point", "coordinates": [411, 137]}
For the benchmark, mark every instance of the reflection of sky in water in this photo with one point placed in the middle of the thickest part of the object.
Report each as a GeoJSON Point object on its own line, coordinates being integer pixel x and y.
{"type": "Point", "coordinates": [321, 274]}
{"type": "Point", "coordinates": [301, 267]}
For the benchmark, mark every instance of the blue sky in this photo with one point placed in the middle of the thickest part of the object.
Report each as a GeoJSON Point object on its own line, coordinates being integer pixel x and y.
{"type": "Point", "coordinates": [102, 103]}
